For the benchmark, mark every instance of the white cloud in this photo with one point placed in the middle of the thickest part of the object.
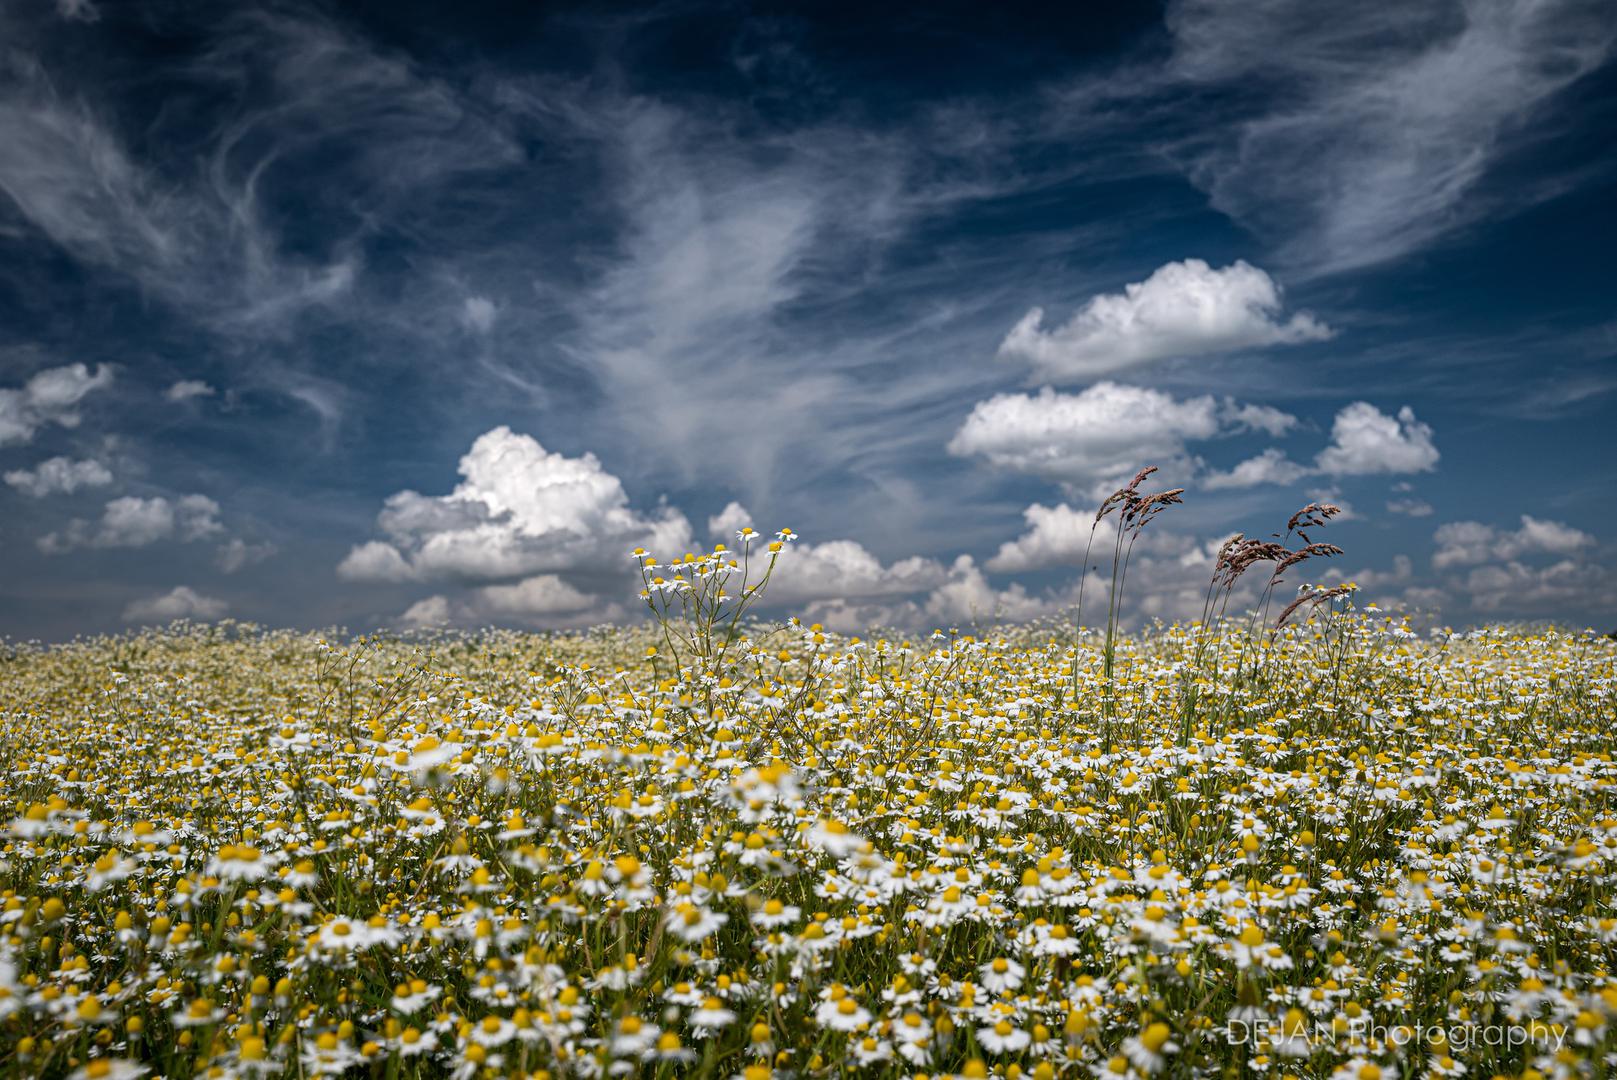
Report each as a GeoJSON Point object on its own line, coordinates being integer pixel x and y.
{"type": "Point", "coordinates": [181, 602]}
{"type": "Point", "coordinates": [186, 389]}
{"type": "Point", "coordinates": [49, 397]}
{"type": "Point", "coordinates": [543, 600]}
{"type": "Point", "coordinates": [724, 525]}
{"type": "Point", "coordinates": [967, 598]}
{"type": "Point", "coordinates": [1394, 589]}
{"type": "Point", "coordinates": [519, 510]}
{"type": "Point", "coordinates": [1333, 496]}
{"type": "Point", "coordinates": [430, 612]}
{"type": "Point", "coordinates": [1410, 507]}
{"type": "Point", "coordinates": [1264, 418]}
{"type": "Point", "coordinates": [1366, 440]}
{"type": "Point", "coordinates": [1372, 128]}
{"type": "Point", "coordinates": [478, 313]}
{"type": "Point", "coordinates": [133, 522]}
{"type": "Point", "coordinates": [1183, 309]}
{"type": "Point", "coordinates": [1092, 439]}
{"type": "Point", "coordinates": [1466, 543]}
{"type": "Point", "coordinates": [59, 475]}
{"type": "Point", "coordinates": [845, 569]}
{"type": "Point", "coordinates": [1102, 434]}
{"type": "Point", "coordinates": [1500, 577]}
{"type": "Point", "coordinates": [544, 594]}
{"type": "Point", "coordinates": [962, 598]}
{"type": "Point", "coordinates": [1168, 579]}
{"type": "Point", "coordinates": [1056, 536]}
{"type": "Point", "coordinates": [1517, 588]}
{"type": "Point", "coordinates": [199, 238]}
{"type": "Point", "coordinates": [375, 560]}
{"type": "Point", "coordinates": [1272, 466]}
{"type": "Point", "coordinates": [238, 553]}
{"type": "Point", "coordinates": [1403, 570]}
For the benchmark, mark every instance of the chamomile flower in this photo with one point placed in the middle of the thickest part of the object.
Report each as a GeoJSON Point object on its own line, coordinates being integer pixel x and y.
{"type": "Point", "coordinates": [840, 1011]}
{"type": "Point", "coordinates": [691, 922]}
{"type": "Point", "coordinates": [1003, 1037]}
{"type": "Point", "coordinates": [773, 914]}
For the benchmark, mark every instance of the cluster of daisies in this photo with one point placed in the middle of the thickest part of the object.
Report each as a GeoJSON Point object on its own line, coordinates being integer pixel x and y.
{"type": "Point", "coordinates": [1351, 853]}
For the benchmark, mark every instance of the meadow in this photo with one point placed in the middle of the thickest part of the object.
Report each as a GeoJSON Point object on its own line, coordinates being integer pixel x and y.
{"type": "Point", "coordinates": [1307, 843]}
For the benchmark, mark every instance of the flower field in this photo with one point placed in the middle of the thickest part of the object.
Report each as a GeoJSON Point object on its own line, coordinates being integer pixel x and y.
{"type": "Point", "coordinates": [1338, 851]}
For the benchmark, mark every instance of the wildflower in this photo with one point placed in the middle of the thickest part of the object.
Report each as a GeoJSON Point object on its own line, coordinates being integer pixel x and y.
{"type": "Point", "coordinates": [670, 1049]}
{"type": "Point", "coordinates": [1148, 1051]}
{"type": "Point", "coordinates": [413, 1042]}
{"type": "Point", "coordinates": [774, 914]}
{"type": "Point", "coordinates": [691, 922]}
{"type": "Point", "coordinates": [1001, 975]}
{"type": "Point", "coordinates": [1003, 1038]}
{"type": "Point", "coordinates": [841, 1012]}
{"type": "Point", "coordinates": [1252, 949]}
{"type": "Point", "coordinates": [634, 1038]}
{"type": "Point", "coordinates": [712, 1016]}
{"type": "Point", "coordinates": [110, 1069]}
{"type": "Point", "coordinates": [835, 838]}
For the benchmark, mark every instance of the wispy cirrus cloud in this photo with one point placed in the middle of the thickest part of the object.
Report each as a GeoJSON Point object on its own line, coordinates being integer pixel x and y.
{"type": "Point", "coordinates": [1367, 135]}
{"type": "Point", "coordinates": [214, 240]}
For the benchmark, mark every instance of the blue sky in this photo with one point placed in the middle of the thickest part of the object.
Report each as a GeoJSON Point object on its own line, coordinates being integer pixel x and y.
{"type": "Point", "coordinates": [394, 314]}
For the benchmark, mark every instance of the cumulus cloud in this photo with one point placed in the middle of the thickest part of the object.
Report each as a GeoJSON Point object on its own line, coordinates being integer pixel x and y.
{"type": "Point", "coordinates": [519, 510]}
{"type": "Point", "coordinates": [1056, 536]}
{"type": "Point", "coordinates": [1183, 309]}
{"type": "Point", "coordinates": [1102, 434]}
{"type": "Point", "coordinates": [1272, 466]}
{"type": "Point", "coordinates": [967, 597]}
{"type": "Point", "coordinates": [845, 568]}
{"type": "Point", "coordinates": [132, 522]}
{"type": "Point", "coordinates": [1501, 570]}
{"type": "Point", "coordinates": [237, 553]}
{"type": "Point", "coordinates": [51, 396]}
{"type": "Point", "coordinates": [1409, 506]}
{"type": "Point", "coordinates": [59, 475]}
{"type": "Point", "coordinates": [1396, 588]}
{"type": "Point", "coordinates": [181, 602]}
{"type": "Point", "coordinates": [376, 561]}
{"type": "Point", "coordinates": [186, 389]}
{"type": "Point", "coordinates": [1366, 440]}
{"type": "Point", "coordinates": [543, 594]}
{"type": "Point", "coordinates": [727, 522]}
{"type": "Point", "coordinates": [432, 611]}
{"type": "Point", "coordinates": [963, 597]}
{"type": "Point", "coordinates": [1465, 543]}
{"type": "Point", "coordinates": [1333, 495]}
{"type": "Point", "coordinates": [1265, 418]}
{"type": "Point", "coordinates": [544, 600]}
{"type": "Point", "coordinates": [1517, 587]}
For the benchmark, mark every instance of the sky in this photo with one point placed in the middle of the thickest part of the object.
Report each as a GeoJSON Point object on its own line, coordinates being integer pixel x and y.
{"type": "Point", "coordinates": [397, 314]}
